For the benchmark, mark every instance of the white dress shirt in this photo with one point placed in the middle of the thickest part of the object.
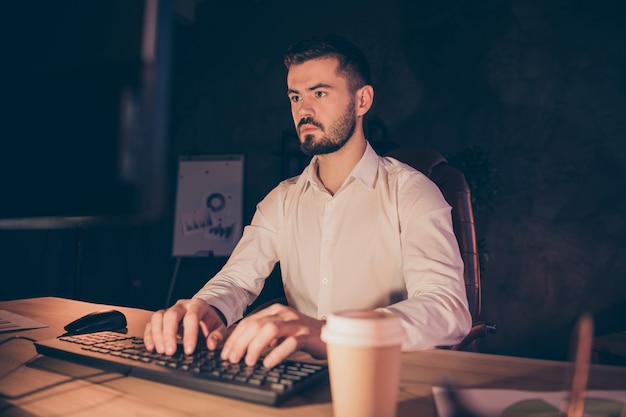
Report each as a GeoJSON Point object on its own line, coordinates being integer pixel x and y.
{"type": "Point", "coordinates": [383, 240]}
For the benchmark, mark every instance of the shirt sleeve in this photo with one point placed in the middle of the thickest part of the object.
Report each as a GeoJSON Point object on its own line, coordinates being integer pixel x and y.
{"type": "Point", "coordinates": [241, 280]}
{"type": "Point", "coordinates": [436, 311]}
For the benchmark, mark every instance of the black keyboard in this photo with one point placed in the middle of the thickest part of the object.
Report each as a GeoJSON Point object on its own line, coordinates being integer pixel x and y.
{"type": "Point", "coordinates": [202, 371]}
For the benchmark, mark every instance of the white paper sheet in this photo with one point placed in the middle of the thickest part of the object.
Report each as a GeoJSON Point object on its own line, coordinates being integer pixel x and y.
{"type": "Point", "coordinates": [11, 322]}
{"type": "Point", "coordinates": [494, 402]}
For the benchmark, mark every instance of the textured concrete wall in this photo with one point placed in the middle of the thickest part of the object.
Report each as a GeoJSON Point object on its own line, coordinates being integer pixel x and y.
{"type": "Point", "coordinates": [537, 86]}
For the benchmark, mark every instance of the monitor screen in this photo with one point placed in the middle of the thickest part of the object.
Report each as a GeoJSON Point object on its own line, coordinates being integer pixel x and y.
{"type": "Point", "coordinates": [85, 99]}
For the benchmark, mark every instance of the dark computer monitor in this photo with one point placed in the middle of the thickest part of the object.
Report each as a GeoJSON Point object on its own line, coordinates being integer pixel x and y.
{"type": "Point", "coordinates": [84, 112]}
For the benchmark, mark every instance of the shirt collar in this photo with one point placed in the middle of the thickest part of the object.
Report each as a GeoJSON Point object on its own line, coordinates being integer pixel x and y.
{"type": "Point", "coordinates": [365, 170]}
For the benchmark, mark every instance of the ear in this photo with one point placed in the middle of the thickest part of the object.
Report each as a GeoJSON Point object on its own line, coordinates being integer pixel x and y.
{"type": "Point", "coordinates": [364, 99]}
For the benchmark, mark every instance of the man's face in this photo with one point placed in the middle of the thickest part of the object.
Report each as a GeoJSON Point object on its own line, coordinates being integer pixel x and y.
{"type": "Point", "coordinates": [322, 106]}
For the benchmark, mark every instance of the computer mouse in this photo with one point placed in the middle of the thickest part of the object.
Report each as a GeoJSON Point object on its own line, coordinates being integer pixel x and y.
{"type": "Point", "coordinates": [98, 321]}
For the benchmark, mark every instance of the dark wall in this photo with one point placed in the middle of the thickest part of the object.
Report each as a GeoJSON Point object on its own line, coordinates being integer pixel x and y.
{"type": "Point", "coordinates": [536, 89]}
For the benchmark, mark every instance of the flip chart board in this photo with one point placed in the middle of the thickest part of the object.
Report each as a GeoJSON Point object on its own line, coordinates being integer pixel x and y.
{"type": "Point", "coordinates": [209, 203]}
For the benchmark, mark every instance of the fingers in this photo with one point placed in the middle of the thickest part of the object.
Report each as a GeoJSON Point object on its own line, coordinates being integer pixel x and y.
{"type": "Point", "coordinates": [190, 331]}
{"type": "Point", "coordinates": [281, 352]}
{"type": "Point", "coordinates": [148, 339]}
{"type": "Point", "coordinates": [153, 334]}
{"type": "Point", "coordinates": [215, 338]}
{"type": "Point", "coordinates": [165, 336]}
{"type": "Point", "coordinates": [161, 332]}
{"type": "Point", "coordinates": [245, 332]}
{"type": "Point", "coordinates": [200, 316]}
{"type": "Point", "coordinates": [278, 327]}
{"type": "Point", "coordinates": [253, 339]}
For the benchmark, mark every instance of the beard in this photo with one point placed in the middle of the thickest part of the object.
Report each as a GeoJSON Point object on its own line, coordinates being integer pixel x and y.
{"type": "Point", "coordinates": [340, 132]}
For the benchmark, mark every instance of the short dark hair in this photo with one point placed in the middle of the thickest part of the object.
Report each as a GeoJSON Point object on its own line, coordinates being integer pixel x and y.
{"type": "Point", "coordinates": [353, 64]}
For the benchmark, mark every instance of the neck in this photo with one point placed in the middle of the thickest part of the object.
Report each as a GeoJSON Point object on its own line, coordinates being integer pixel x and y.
{"type": "Point", "coordinates": [333, 168]}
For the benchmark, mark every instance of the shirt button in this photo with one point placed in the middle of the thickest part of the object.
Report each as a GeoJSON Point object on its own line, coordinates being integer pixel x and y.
{"type": "Point", "coordinates": [324, 280]}
{"type": "Point", "coordinates": [323, 317]}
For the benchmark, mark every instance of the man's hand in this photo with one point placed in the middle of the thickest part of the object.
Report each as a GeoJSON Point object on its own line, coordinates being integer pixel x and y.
{"type": "Point", "coordinates": [160, 333]}
{"type": "Point", "coordinates": [279, 327]}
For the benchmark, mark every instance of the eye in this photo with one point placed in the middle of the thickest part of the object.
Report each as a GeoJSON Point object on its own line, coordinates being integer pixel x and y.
{"type": "Point", "coordinates": [319, 94]}
{"type": "Point", "coordinates": [294, 98]}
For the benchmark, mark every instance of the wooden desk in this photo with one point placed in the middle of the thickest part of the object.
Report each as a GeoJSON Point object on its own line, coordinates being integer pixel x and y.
{"type": "Point", "coordinates": [32, 385]}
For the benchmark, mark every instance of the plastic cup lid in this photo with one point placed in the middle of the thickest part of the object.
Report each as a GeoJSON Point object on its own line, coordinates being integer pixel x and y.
{"type": "Point", "coordinates": [368, 328]}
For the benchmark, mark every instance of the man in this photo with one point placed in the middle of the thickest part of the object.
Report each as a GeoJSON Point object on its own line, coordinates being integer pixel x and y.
{"type": "Point", "coordinates": [354, 230]}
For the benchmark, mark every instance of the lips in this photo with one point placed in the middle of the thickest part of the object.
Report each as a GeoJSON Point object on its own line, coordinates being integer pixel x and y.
{"type": "Point", "coordinates": [307, 128]}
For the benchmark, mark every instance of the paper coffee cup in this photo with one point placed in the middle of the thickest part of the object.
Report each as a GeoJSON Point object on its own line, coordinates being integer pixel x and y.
{"type": "Point", "coordinates": [364, 352]}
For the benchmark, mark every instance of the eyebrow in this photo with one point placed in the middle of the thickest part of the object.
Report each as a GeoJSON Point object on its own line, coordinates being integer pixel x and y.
{"type": "Point", "coordinates": [312, 88]}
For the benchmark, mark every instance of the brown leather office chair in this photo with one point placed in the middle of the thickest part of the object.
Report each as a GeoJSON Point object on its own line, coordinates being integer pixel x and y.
{"type": "Point", "coordinates": [456, 191]}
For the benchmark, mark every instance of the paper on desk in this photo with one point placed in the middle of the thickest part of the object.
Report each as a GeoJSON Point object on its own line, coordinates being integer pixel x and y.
{"type": "Point", "coordinates": [507, 402]}
{"type": "Point", "coordinates": [11, 322]}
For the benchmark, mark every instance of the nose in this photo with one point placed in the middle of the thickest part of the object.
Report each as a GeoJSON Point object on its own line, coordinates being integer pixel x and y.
{"type": "Point", "coordinates": [305, 109]}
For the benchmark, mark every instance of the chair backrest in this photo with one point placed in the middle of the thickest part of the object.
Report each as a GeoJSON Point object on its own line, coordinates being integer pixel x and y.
{"type": "Point", "coordinates": [455, 189]}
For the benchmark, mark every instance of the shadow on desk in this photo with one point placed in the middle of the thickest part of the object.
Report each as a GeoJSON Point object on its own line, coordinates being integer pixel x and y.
{"type": "Point", "coordinates": [12, 410]}
{"type": "Point", "coordinates": [63, 372]}
{"type": "Point", "coordinates": [67, 372]}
